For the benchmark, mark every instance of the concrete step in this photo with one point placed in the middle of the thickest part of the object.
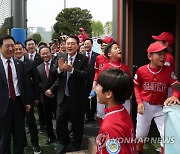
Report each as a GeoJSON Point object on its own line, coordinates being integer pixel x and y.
{"type": "Point", "coordinates": [91, 147]}
{"type": "Point", "coordinates": [79, 152]}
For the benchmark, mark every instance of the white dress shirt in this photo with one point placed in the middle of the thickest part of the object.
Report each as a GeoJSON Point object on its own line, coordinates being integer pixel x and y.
{"type": "Point", "coordinates": [14, 74]}
{"type": "Point", "coordinates": [49, 64]}
{"type": "Point", "coordinates": [33, 55]}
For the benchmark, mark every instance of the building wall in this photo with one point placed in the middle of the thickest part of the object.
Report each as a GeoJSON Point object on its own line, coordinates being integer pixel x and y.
{"type": "Point", "coordinates": [132, 28]}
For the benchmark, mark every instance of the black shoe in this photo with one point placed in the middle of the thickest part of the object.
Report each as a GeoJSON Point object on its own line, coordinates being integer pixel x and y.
{"type": "Point", "coordinates": [37, 150]}
{"type": "Point", "coordinates": [87, 120]}
{"type": "Point", "coordinates": [71, 134]}
{"type": "Point", "coordinates": [61, 149]}
{"type": "Point", "coordinates": [25, 147]}
{"type": "Point", "coordinates": [49, 141]}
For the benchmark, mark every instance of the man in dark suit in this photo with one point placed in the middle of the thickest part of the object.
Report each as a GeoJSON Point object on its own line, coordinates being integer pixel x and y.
{"type": "Point", "coordinates": [32, 82]}
{"type": "Point", "coordinates": [46, 81]}
{"type": "Point", "coordinates": [13, 98]}
{"type": "Point", "coordinates": [35, 57]}
{"type": "Point", "coordinates": [71, 95]}
{"type": "Point", "coordinates": [32, 53]}
{"type": "Point", "coordinates": [90, 106]}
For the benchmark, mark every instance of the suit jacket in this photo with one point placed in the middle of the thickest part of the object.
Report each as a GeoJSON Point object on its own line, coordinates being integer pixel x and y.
{"type": "Point", "coordinates": [37, 59]}
{"type": "Point", "coordinates": [91, 70]}
{"type": "Point", "coordinates": [32, 80]}
{"type": "Point", "coordinates": [4, 94]}
{"type": "Point", "coordinates": [45, 82]}
{"type": "Point", "coordinates": [77, 81]}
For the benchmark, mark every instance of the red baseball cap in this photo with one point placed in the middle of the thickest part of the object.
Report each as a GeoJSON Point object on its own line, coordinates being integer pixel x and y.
{"type": "Point", "coordinates": [81, 29]}
{"type": "Point", "coordinates": [165, 36]}
{"type": "Point", "coordinates": [106, 40]}
{"type": "Point", "coordinates": [155, 47]}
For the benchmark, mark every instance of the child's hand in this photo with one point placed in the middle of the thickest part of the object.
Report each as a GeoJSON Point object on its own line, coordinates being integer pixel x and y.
{"type": "Point", "coordinates": [140, 108]}
{"type": "Point", "coordinates": [94, 85]}
{"type": "Point", "coordinates": [171, 100]}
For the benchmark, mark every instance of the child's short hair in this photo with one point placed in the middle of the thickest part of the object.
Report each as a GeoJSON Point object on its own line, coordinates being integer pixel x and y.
{"type": "Point", "coordinates": [117, 81]}
{"type": "Point", "coordinates": [108, 48]}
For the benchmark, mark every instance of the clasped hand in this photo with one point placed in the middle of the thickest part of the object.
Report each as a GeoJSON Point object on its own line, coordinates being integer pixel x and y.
{"type": "Point", "coordinates": [64, 66]}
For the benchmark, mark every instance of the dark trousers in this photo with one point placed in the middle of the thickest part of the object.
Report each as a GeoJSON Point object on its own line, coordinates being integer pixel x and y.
{"type": "Point", "coordinates": [90, 108]}
{"type": "Point", "coordinates": [41, 115]}
{"type": "Point", "coordinates": [31, 122]}
{"type": "Point", "coordinates": [13, 124]}
{"type": "Point", "coordinates": [68, 110]}
{"type": "Point", "coordinates": [90, 105]}
{"type": "Point", "coordinates": [49, 107]}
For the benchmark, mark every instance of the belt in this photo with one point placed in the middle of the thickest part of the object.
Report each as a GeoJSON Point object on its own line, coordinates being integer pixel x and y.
{"type": "Point", "coordinates": [17, 98]}
{"type": "Point", "coordinates": [65, 96]}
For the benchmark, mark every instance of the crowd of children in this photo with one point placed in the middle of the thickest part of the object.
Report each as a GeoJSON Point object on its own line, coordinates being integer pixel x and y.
{"type": "Point", "coordinates": [151, 83]}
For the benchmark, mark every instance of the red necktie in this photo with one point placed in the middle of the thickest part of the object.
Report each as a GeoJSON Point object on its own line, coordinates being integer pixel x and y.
{"type": "Point", "coordinates": [88, 57]}
{"type": "Point", "coordinates": [31, 57]}
{"type": "Point", "coordinates": [47, 69]}
{"type": "Point", "coordinates": [10, 81]}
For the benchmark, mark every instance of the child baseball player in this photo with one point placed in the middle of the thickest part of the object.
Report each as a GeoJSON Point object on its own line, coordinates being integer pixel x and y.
{"type": "Point", "coordinates": [114, 55]}
{"type": "Point", "coordinates": [151, 84]}
{"type": "Point", "coordinates": [101, 60]}
{"type": "Point", "coordinates": [113, 52]}
{"type": "Point", "coordinates": [116, 134]}
{"type": "Point", "coordinates": [167, 39]}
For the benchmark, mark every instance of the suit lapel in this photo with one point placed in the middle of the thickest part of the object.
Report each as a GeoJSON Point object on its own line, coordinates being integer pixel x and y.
{"type": "Point", "coordinates": [16, 63]}
{"type": "Point", "coordinates": [26, 63]}
{"type": "Point", "coordinates": [51, 66]}
{"type": "Point", "coordinates": [76, 61]}
{"type": "Point", "coordinates": [36, 56]}
{"type": "Point", "coordinates": [2, 71]}
{"type": "Point", "coordinates": [26, 56]}
{"type": "Point", "coordinates": [92, 57]}
{"type": "Point", "coordinates": [65, 57]}
{"type": "Point", "coordinates": [43, 70]}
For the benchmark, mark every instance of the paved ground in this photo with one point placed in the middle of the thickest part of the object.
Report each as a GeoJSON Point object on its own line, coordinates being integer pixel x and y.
{"type": "Point", "coordinates": [90, 130]}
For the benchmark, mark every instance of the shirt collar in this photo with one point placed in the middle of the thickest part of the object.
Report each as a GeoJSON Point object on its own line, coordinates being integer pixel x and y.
{"type": "Point", "coordinates": [32, 54]}
{"type": "Point", "coordinates": [4, 60]}
{"type": "Point", "coordinates": [22, 58]}
{"type": "Point", "coordinates": [73, 57]}
{"type": "Point", "coordinates": [153, 70]}
{"type": "Point", "coordinates": [114, 108]}
{"type": "Point", "coordinates": [90, 52]}
{"type": "Point", "coordinates": [49, 62]}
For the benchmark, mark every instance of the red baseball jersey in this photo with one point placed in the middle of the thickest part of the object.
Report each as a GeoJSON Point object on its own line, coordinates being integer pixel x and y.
{"type": "Point", "coordinates": [118, 65]}
{"type": "Point", "coordinates": [170, 61]}
{"type": "Point", "coordinates": [101, 60]}
{"type": "Point", "coordinates": [116, 134]}
{"type": "Point", "coordinates": [151, 85]}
